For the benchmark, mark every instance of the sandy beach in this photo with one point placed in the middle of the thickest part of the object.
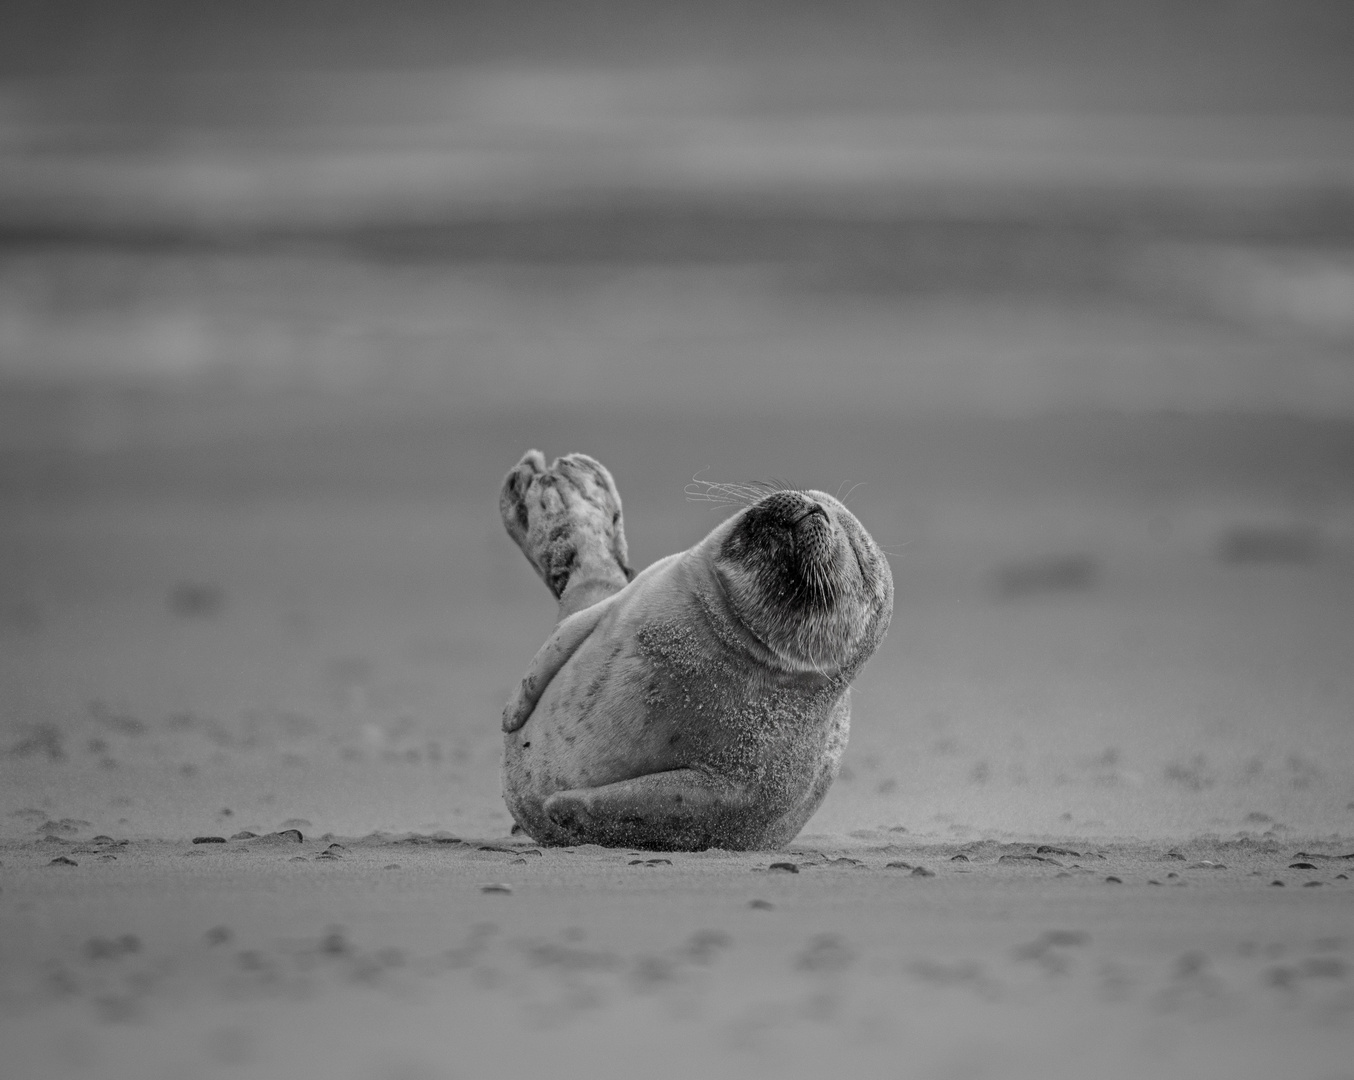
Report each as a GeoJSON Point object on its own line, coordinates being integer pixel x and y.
{"type": "Point", "coordinates": [430, 956]}
{"type": "Point", "coordinates": [1095, 815]}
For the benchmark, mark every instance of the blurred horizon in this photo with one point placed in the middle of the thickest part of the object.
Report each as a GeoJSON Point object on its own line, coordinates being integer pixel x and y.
{"type": "Point", "coordinates": [1000, 209]}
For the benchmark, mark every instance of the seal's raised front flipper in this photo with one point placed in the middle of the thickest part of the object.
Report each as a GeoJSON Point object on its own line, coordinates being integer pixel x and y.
{"type": "Point", "coordinates": [678, 810]}
{"type": "Point", "coordinates": [562, 644]}
{"type": "Point", "coordinates": [567, 521]}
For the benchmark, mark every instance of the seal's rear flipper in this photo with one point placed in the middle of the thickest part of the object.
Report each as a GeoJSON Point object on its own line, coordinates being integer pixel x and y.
{"type": "Point", "coordinates": [567, 521]}
{"type": "Point", "coordinates": [679, 810]}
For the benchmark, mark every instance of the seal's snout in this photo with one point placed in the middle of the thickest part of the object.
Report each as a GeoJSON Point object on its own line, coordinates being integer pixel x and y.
{"type": "Point", "coordinates": [813, 534]}
{"type": "Point", "coordinates": [785, 510]}
{"type": "Point", "coordinates": [813, 510]}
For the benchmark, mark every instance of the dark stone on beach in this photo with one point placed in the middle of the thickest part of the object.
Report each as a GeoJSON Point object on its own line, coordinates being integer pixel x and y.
{"type": "Point", "coordinates": [1060, 573]}
{"type": "Point", "coordinates": [1341, 877]}
{"type": "Point", "coordinates": [496, 887]}
{"type": "Point", "coordinates": [245, 834]}
{"type": "Point", "coordinates": [784, 867]}
{"type": "Point", "coordinates": [327, 856]}
{"type": "Point", "coordinates": [1112, 880]}
{"type": "Point", "coordinates": [298, 858]}
{"type": "Point", "coordinates": [1049, 849]}
{"type": "Point", "coordinates": [1268, 544]}
{"type": "Point", "coordinates": [101, 949]}
{"type": "Point", "coordinates": [1174, 855]}
{"type": "Point", "coordinates": [209, 839]}
{"type": "Point", "coordinates": [1028, 858]}
{"type": "Point", "coordinates": [921, 871]}
{"type": "Point", "coordinates": [1301, 866]}
{"type": "Point", "coordinates": [953, 858]}
{"type": "Point", "coordinates": [61, 860]}
{"type": "Point", "coordinates": [196, 600]}
{"type": "Point", "coordinates": [705, 944]}
{"type": "Point", "coordinates": [1312, 884]}
{"type": "Point", "coordinates": [1325, 967]}
{"type": "Point", "coordinates": [102, 840]}
{"type": "Point", "coordinates": [334, 943]}
{"type": "Point", "coordinates": [826, 953]}
{"type": "Point", "coordinates": [1277, 882]}
{"type": "Point", "coordinates": [761, 905]}
{"type": "Point", "coordinates": [336, 849]}
{"type": "Point", "coordinates": [902, 865]}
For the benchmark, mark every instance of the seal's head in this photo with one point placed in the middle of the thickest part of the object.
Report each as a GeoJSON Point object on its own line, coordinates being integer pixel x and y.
{"type": "Point", "coordinates": [805, 579]}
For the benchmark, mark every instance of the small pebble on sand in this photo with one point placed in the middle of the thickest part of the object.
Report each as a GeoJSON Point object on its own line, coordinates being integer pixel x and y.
{"type": "Point", "coordinates": [921, 871]}
{"type": "Point", "coordinates": [209, 839]}
{"type": "Point", "coordinates": [761, 905]}
{"type": "Point", "coordinates": [61, 860]}
{"type": "Point", "coordinates": [496, 887]}
{"type": "Point", "coordinates": [784, 867]}
{"type": "Point", "coordinates": [334, 943]}
{"type": "Point", "coordinates": [1111, 879]}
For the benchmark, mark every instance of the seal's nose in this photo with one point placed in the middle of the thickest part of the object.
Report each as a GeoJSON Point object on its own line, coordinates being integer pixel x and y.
{"type": "Point", "coordinates": [812, 510]}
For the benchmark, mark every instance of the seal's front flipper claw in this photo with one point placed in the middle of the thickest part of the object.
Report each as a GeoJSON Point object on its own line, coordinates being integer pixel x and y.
{"type": "Point", "coordinates": [678, 810]}
{"type": "Point", "coordinates": [562, 644]}
{"type": "Point", "coordinates": [567, 521]}
{"type": "Point", "coordinates": [512, 499]}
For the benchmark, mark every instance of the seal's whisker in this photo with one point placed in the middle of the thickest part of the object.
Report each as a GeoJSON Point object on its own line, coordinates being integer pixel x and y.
{"type": "Point", "coordinates": [844, 499]}
{"type": "Point", "coordinates": [743, 493]}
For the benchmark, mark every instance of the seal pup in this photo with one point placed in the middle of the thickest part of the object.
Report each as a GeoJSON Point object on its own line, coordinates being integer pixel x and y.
{"type": "Point", "coordinates": [704, 702]}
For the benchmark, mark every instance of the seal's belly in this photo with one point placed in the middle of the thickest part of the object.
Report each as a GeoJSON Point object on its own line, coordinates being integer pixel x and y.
{"type": "Point", "coordinates": [598, 721]}
{"type": "Point", "coordinates": [640, 697]}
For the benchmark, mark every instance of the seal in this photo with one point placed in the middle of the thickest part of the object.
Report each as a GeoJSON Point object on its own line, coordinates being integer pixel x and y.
{"type": "Point", "coordinates": [704, 702]}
